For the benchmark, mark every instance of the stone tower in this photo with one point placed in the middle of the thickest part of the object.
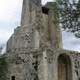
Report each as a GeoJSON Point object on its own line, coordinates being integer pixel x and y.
{"type": "Point", "coordinates": [38, 28]}
{"type": "Point", "coordinates": [42, 21]}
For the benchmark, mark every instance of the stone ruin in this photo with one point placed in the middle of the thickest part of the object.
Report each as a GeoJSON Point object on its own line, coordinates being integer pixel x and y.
{"type": "Point", "coordinates": [34, 51]}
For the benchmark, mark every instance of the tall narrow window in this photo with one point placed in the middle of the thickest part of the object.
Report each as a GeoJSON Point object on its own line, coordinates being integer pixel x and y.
{"type": "Point", "coordinates": [13, 78]}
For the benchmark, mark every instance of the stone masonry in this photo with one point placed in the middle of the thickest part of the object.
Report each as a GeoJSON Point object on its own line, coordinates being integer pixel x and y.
{"type": "Point", "coordinates": [34, 51]}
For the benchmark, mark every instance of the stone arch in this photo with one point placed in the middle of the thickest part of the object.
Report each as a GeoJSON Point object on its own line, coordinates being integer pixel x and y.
{"type": "Point", "coordinates": [64, 67]}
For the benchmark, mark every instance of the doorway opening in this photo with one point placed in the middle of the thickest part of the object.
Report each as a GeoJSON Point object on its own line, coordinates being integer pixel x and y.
{"type": "Point", "coordinates": [64, 67]}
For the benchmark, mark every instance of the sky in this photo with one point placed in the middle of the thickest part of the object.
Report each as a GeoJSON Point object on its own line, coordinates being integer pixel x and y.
{"type": "Point", "coordinates": [10, 16]}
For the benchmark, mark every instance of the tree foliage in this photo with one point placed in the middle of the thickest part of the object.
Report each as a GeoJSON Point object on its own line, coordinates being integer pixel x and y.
{"type": "Point", "coordinates": [69, 15]}
{"type": "Point", "coordinates": [3, 68]}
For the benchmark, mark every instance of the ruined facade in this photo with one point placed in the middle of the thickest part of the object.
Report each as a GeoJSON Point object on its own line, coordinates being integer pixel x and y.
{"type": "Point", "coordinates": [34, 51]}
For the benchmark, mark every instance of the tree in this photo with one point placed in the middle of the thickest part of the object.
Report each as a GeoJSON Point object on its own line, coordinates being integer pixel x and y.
{"type": "Point", "coordinates": [1, 47]}
{"type": "Point", "coordinates": [69, 15]}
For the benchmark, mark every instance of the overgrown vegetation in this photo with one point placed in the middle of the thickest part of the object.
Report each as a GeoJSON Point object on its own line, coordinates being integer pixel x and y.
{"type": "Point", "coordinates": [69, 15]}
{"type": "Point", "coordinates": [3, 68]}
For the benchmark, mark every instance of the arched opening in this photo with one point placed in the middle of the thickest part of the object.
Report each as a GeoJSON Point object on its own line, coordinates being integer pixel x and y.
{"type": "Point", "coordinates": [64, 68]}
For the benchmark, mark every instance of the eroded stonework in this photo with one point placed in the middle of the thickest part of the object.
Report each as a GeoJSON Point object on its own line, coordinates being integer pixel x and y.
{"type": "Point", "coordinates": [34, 51]}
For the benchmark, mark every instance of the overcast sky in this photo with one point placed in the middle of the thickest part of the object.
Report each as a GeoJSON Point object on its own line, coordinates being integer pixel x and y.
{"type": "Point", "coordinates": [10, 15]}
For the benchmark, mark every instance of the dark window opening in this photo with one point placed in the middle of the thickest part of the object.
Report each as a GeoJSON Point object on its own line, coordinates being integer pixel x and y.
{"type": "Point", "coordinates": [13, 78]}
{"type": "Point", "coordinates": [45, 10]}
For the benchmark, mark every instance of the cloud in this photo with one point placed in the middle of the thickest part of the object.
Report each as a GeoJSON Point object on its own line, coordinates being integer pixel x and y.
{"type": "Point", "coordinates": [9, 9]}
{"type": "Point", "coordinates": [10, 14]}
{"type": "Point", "coordinates": [70, 42]}
{"type": "Point", "coordinates": [4, 36]}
